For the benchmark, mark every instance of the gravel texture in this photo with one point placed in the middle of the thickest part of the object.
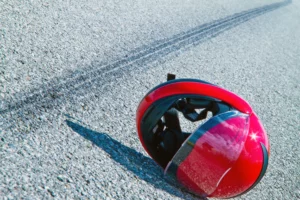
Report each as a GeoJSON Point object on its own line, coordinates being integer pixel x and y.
{"type": "Point", "coordinates": [73, 72]}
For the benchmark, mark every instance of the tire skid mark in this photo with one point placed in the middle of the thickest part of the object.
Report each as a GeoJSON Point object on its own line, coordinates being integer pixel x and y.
{"type": "Point", "coordinates": [55, 92]}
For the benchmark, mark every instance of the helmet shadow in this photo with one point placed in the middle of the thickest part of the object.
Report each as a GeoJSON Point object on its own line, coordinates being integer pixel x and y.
{"type": "Point", "coordinates": [141, 166]}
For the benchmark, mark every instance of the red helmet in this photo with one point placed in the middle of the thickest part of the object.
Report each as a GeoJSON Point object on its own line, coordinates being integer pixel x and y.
{"type": "Point", "coordinates": [224, 157]}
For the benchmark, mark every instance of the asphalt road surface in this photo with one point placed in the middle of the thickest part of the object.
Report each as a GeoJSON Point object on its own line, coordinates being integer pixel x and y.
{"type": "Point", "coordinates": [73, 72]}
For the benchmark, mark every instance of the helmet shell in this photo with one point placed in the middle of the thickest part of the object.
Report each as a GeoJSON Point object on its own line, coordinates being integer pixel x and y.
{"type": "Point", "coordinates": [224, 157]}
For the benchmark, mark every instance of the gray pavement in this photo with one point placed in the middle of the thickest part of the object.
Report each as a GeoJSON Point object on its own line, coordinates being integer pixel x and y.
{"type": "Point", "coordinates": [73, 72]}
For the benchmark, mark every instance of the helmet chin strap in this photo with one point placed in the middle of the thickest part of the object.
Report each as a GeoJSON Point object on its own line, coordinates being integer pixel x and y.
{"type": "Point", "coordinates": [188, 108]}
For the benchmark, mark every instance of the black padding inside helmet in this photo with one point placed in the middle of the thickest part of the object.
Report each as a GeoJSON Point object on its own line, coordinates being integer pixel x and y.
{"type": "Point", "coordinates": [171, 137]}
{"type": "Point", "coordinates": [173, 124]}
{"type": "Point", "coordinates": [152, 120]}
{"type": "Point", "coordinates": [160, 124]}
